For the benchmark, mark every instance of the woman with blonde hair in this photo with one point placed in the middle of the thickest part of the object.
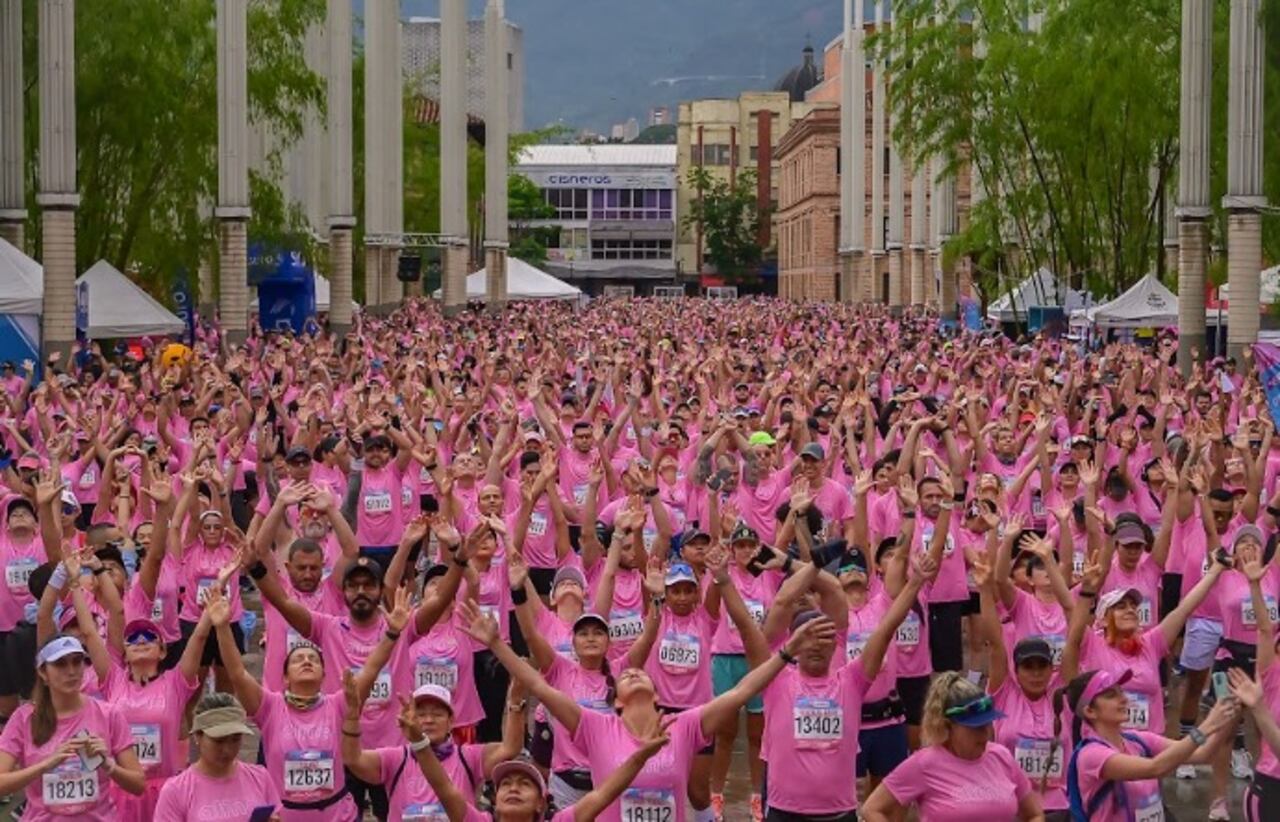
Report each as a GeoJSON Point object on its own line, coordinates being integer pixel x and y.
{"type": "Point", "coordinates": [961, 773]}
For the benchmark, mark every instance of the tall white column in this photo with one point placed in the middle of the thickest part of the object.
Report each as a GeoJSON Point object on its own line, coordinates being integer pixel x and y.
{"type": "Point", "coordinates": [497, 113]}
{"type": "Point", "coordinates": [947, 228]}
{"type": "Point", "coordinates": [384, 150]}
{"type": "Point", "coordinates": [919, 232]}
{"type": "Point", "coordinates": [854, 91]}
{"type": "Point", "coordinates": [58, 197]}
{"type": "Point", "coordinates": [877, 164]}
{"type": "Point", "coordinates": [232, 210]}
{"type": "Point", "coordinates": [1244, 195]}
{"type": "Point", "coordinates": [453, 151]}
{"type": "Point", "coordinates": [1193, 175]}
{"type": "Point", "coordinates": [338, 120]}
{"type": "Point", "coordinates": [13, 204]}
{"type": "Point", "coordinates": [897, 206]}
{"type": "Point", "coordinates": [844, 242]}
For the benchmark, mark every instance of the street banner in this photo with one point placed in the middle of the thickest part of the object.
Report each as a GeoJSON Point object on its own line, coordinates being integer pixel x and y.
{"type": "Point", "coordinates": [82, 310]}
{"type": "Point", "coordinates": [183, 304]}
{"type": "Point", "coordinates": [1267, 356]}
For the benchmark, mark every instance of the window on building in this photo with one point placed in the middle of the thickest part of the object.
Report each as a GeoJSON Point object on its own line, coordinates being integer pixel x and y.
{"type": "Point", "coordinates": [575, 238]}
{"type": "Point", "coordinates": [712, 154]}
{"type": "Point", "coordinates": [631, 249]}
{"type": "Point", "coordinates": [631, 204]}
{"type": "Point", "coordinates": [753, 153]}
{"type": "Point", "coordinates": [569, 203]}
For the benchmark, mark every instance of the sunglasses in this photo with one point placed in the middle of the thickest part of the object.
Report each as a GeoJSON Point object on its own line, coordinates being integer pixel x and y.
{"type": "Point", "coordinates": [141, 638]}
{"type": "Point", "coordinates": [974, 707]}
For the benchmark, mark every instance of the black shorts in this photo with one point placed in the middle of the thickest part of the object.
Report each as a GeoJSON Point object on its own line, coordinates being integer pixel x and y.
{"type": "Point", "coordinates": [18, 660]}
{"type": "Point", "coordinates": [706, 750]}
{"type": "Point", "coordinates": [1242, 655]}
{"type": "Point", "coordinates": [775, 815]}
{"type": "Point", "coordinates": [974, 605]}
{"type": "Point", "coordinates": [913, 689]}
{"type": "Point", "coordinates": [946, 635]}
{"type": "Point", "coordinates": [1262, 799]}
{"type": "Point", "coordinates": [173, 652]}
{"type": "Point", "coordinates": [542, 578]}
{"type": "Point", "coordinates": [1170, 593]}
{"type": "Point", "coordinates": [212, 654]}
{"type": "Point", "coordinates": [540, 743]}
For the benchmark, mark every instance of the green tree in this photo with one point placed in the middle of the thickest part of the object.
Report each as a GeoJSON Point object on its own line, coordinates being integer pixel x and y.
{"type": "Point", "coordinates": [525, 203]}
{"type": "Point", "coordinates": [728, 218]}
{"type": "Point", "coordinates": [147, 129]}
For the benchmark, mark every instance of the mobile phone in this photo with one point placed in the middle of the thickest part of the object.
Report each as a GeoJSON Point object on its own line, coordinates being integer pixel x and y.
{"type": "Point", "coordinates": [262, 813]}
{"type": "Point", "coordinates": [756, 565]}
{"type": "Point", "coordinates": [1221, 687]}
{"type": "Point", "coordinates": [718, 479]}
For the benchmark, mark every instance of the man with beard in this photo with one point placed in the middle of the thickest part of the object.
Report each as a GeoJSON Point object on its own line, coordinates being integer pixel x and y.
{"type": "Point", "coordinates": [297, 462]}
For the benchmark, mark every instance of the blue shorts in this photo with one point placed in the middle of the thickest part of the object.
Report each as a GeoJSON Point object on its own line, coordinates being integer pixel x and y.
{"type": "Point", "coordinates": [727, 670]}
{"type": "Point", "coordinates": [880, 750]}
{"type": "Point", "coordinates": [1200, 644]}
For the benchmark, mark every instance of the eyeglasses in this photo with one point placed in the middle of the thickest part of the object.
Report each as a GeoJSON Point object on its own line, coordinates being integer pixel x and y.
{"type": "Point", "coordinates": [974, 707]}
{"type": "Point", "coordinates": [141, 637]}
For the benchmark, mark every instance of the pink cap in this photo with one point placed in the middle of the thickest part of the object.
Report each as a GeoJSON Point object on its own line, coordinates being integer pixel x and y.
{"type": "Point", "coordinates": [1101, 681]}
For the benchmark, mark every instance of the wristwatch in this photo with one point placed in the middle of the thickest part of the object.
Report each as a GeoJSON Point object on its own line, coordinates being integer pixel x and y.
{"type": "Point", "coordinates": [1197, 736]}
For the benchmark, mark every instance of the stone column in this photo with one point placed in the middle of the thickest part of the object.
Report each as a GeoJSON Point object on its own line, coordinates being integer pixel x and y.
{"type": "Point", "coordinates": [1193, 175]}
{"type": "Point", "coordinates": [897, 207]}
{"type": "Point", "coordinates": [877, 167]}
{"type": "Point", "coordinates": [58, 197]}
{"type": "Point", "coordinates": [853, 153]}
{"type": "Point", "coordinates": [1244, 195]}
{"type": "Point", "coordinates": [453, 151]}
{"type": "Point", "coordinates": [338, 125]}
{"type": "Point", "coordinates": [233, 167]}
{"type": "Point", "coordinates": [919, 216]}
{"type": "Point", "coordinates": [497, 114]}
{"type": "Point", "coordinates": [947, 228]}
{"type": "Point", "coordinates": [383, 139]}
{"type": "Point", "coordinates": [13, 204]}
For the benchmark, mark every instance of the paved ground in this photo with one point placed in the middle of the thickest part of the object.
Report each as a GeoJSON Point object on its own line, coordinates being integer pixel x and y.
{"type": "Point", "coordinates": [1187, 799]}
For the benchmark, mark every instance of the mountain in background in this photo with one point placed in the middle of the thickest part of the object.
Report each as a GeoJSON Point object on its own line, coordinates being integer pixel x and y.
{"type": "Point", "coordinates": [592, 63]}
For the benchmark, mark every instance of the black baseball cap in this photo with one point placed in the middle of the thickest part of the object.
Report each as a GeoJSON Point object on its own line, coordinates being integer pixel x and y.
{"type": "Point", "coordinates": [1032, 647]}
{"type": "Point", "coordinates": [363, 565]}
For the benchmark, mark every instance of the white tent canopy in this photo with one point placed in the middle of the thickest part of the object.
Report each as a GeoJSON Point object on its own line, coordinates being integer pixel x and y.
{"type": "Point", "coordinates": [21, 282]}
{"type": "Point", "coordinates": [1039, 290]}
{"type": "Point", "coordinates": [119, 308]}
{"type": "Point", "coordinates": [524, 282]}
{"type": "Point", "coordinates": [1147, 304]}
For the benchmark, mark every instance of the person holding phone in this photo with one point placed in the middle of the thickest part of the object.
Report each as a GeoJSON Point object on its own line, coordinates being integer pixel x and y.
{"type": "Point", "coordinates": [218, 785]}
{"type": "Point", "coordinates": [64, 749]}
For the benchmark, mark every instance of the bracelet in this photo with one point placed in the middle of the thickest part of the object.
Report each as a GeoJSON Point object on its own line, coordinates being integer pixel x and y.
{"type": "Point", "coordinates": [658, 602]}
{"type": "Point", "coordinates": [420, 745]}
{"type": "Point", "coordinates": [352, 734]}
{"type": "Point", "coordinates": [1088, 594]}
{"type": "Point", "coordinates": [461, 563]}
{"type": "Point", "coordinates": [958, 496]}
{"type": "Point", "coordinates": [515, 707]}
{"type": "Point", "coordinates": [909, 514]}
{"type": "Point", "coordinates": [519, 596]}
{"type": "Point", "coordinates": [257, 571]}
{"type": "Point", "coordinates": [392, 635]}
{"type": "Point", "coordinates": [786, 657]}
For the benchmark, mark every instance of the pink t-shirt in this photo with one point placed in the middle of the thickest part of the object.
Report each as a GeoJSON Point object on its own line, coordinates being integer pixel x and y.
{"type": "Point", "coordinates": [945, 787]}
{"type": "Point", "coordinates": [443, 657]}
{"type": "Point", "coordinates": [1146, 577]}
{"type": "Point", "coordinates": [1268, 763]}
{"type": "Point", "coordinates": [346, 646]}
{"type": "Point", "coordinates": [154, 712]}
{"type": "Point", "coordinates": [911, 643]}
{"type": "Point", "coordinates": [195, 795]}
{"type": "Point", "coordinates": [759, 505]}
{"type": "Point", "coordinates": [1029, 617]}
{"type": "Point", "coordinates": [811, 738]}
{"type": "Point", "coordinates": [952, 583]}
{"type": "Point", "coordinates": [1146, 697]}
{"type": "Point", "coordinates": [162, 609]}
{"type": "Point", "coordinates": [588, 689]}
{"type": "Point", "coordinates": [1027, 731]}
{"type": "Point", "coordinates": [1239, 622]}
{"type": "Point", "coordinates": [413, 800]}
{"type": "Point", "coordinates": [862, 623]}
{"type": "Point", "coordinates": [379, 518]}
{"type": "Point", "coordinates": [626, 614]}
{"type": "Point", "coordinates": [281, 637]}
{"type": "Point", "coordinates": [68, 790]}
{"type": "Point", "coordinates": [200, 567]}
{"type": "Point", "coordinates": [303, 752]}
{"type": "Point", "coordinates": [680, 660]}
{"type": "Point", "coordinates": [1142, 795]}
{"type": "Point", "coordinates": [757, 593]}
{"type": "Point", "coordinates": [659, 790]}
{"type": "Point", "coordinates": [18, 560]}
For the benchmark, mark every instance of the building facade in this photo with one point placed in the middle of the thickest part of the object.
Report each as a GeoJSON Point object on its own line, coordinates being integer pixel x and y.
{"type": "Point", "coordinates": [421, 56]}
{"type": "Point", "coordinates": [808, 217]}
{"type": "Point", "coordinates": [616, 212]}
{"type": "Point", "coordinates": [723, 136]}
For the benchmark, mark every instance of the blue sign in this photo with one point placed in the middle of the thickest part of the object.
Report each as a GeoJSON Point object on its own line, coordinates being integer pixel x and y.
{"type": "Point", "coordinates": [972, 314]}
{"type": "Point", "coordinates": [1267, 357]}
{"type": "Point", "coordinates": [183, 304]}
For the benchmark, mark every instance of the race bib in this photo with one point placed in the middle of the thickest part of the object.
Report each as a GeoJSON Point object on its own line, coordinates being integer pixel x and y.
{"type": "Point", "coordinates": [1250, 618]}
{"type": "Point", "coordinates": [854, 644]}
{"type": "Point", "coordinates": [425, 812]}
{"type": "Point", "coordinates": [625, 625]}
{"type": "Point", "coordinates": [1139, 711]}
{"type": "Point", "coordinates": [157, 609]}
{"type": "Point", "coordinates": [1149, 809]}
{"type": "Point", "coordinates": [1077, 564]}
{"type": "Point", "coordinates": [1038, 759]}
{"type": "Point", "coordinates": [648, 805]}
{"type": "Point", "coordinates": [203, 586]}
{"type": "Point", "coordinates": [580, 493]}
{"type": "Point", "coordinates": [295, 640]}
{"type": "Point", "coordinates": [377, 502]}
{"type": "Point", "coordinates": [69, 785]}
{"type": "Point", "coordinates": [679, 653]}
{"type": "Point", "coordinates": [380, 691]}
{"type": "Point", "coordinates": [817, 722]}
{"type": "Point", "coordinates": [406, 496]}
{"type": "Point", "coordinates": [435, 670]}
{"type": "Point", "coordinates": [308, 772]}
{"type": "Point", "coordinates": [598, 704]}
{"type": "Point", "coordinates": [17, 572]}
{"type": "Point", "coordinates": [926, 538]}
{"type": "Point", "coordinates": [756, 608]}
{"type": "Point", "coordinates": [1144, 613]}
{"type": "Point", "coordinates": [537, 524]}
{"type": "Point", "coordinates": [908, 632]}
{"type": "Point", "coordinates": [648, 535]}
{"type": "Point", "coordinates": [89, 478]}
{"type": "Point", "coordinates": [146, 742]}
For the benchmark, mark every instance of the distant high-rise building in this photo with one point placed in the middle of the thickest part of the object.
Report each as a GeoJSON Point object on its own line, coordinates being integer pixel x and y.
{"type": "Point", "coordinates": [630, 130]}
{"type": "Point", "coordinates": [618, 132]}
{"type": "Point", "coordinates": [421, 39]}
{"type": "Point", "coordinates": [659, 116]}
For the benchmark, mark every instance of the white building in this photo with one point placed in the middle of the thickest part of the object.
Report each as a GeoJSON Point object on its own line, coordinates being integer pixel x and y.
{"type": "Point", "coordinates": [615, 210]}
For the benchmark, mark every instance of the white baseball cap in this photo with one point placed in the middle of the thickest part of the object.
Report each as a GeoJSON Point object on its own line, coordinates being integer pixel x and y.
{"type": "Point", "coordinates": [439, 693]}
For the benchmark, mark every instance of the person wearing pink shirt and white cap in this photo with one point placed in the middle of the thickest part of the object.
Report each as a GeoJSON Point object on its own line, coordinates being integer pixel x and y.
{"type": "Point", "coordinates": [1114, 774]}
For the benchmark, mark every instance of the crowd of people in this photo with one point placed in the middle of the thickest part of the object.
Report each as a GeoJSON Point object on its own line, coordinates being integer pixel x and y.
{"type": "Point", "coordinates": [550, 562]}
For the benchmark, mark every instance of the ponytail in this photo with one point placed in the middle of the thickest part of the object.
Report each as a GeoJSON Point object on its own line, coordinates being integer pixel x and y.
{"type": "Point", "coordinates": [44, 720]}
{"type": "Point", "coordinates": [951, 688]}
{"type": "Point", "coordinates": [610, 684]}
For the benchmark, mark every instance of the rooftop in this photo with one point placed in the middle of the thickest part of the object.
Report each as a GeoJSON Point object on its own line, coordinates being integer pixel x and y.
{"type": "Point", "coordinates": [612, 154]}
